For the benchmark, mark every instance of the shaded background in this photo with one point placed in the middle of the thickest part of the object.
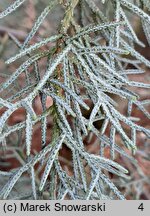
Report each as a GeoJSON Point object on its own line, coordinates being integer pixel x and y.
{"type": "Point", "coordinates": [19, 24]}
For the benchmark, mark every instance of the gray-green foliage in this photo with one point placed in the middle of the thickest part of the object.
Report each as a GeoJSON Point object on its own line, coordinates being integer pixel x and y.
{"type": "Point", "coordinates": [94, 57]}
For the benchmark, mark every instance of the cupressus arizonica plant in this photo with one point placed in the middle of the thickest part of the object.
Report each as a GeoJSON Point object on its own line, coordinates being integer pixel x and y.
{"type": "Point", "coordinates": [88, 60]}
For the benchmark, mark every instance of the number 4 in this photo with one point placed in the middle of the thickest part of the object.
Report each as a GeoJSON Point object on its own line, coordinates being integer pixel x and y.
{"type": "Point", "coordinates": [141, 207]}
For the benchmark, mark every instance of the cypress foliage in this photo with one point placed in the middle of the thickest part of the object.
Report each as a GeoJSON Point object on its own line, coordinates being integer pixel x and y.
{"type": "Point", "coordinates": [93, 53]}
